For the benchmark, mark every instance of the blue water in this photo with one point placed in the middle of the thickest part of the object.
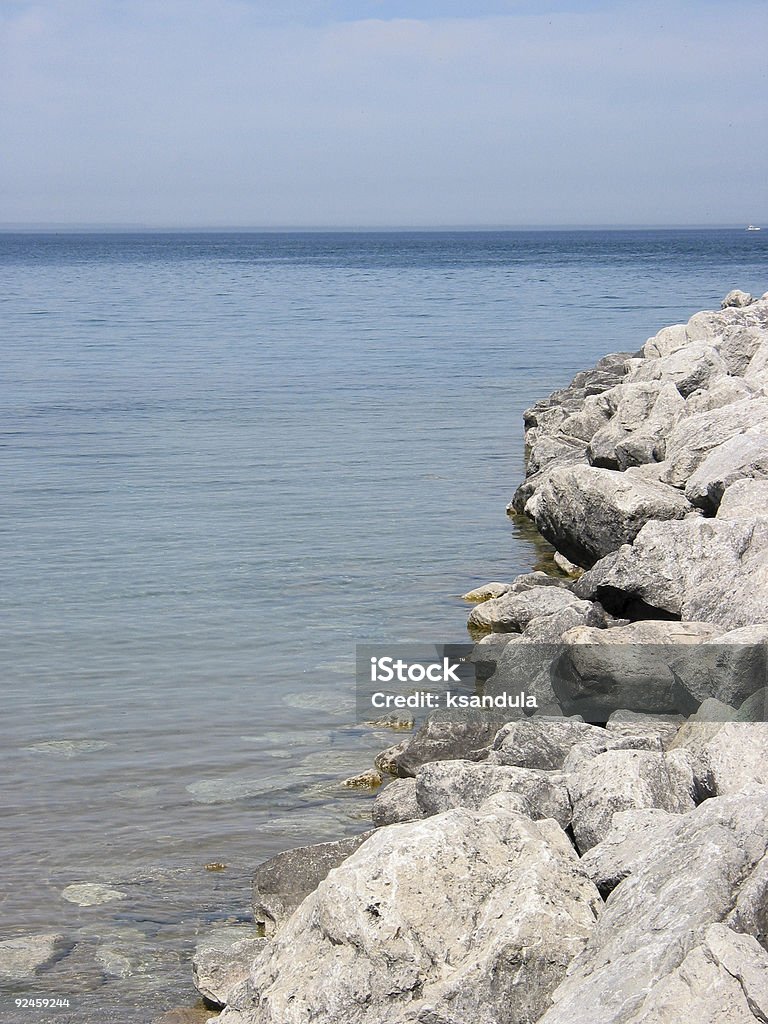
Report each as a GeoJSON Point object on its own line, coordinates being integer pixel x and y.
{"type": "Point", "coordinates": [227, 459]}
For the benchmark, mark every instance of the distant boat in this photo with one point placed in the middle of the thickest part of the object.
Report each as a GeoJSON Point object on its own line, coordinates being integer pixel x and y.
{"type": "Point", "coordinates": [752, 228]}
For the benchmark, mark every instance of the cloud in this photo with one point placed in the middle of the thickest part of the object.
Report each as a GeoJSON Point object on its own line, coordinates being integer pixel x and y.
{"type": "Point", "coordinates": [199, 112]}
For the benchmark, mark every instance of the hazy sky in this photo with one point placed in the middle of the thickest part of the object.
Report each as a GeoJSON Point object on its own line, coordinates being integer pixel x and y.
{"type": "Point", "coordinates": [416, 112]}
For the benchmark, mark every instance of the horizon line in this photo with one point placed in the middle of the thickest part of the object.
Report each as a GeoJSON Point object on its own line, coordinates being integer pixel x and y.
{"type": "Point", "coordinates": [10, 227]}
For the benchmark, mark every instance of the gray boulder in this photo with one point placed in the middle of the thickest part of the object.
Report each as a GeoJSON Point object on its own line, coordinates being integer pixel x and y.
{"type": "Point", "coordinates": [750, 913]}
{"type": "Point", "coordinates": [282, 882]}
{"type": "Point", "coordinates": [662, 910]}
{"type": "Point", "coordinates": [512, 612]}
{"type": "Point", "coordinates": [695, 366]}
{"type": "Point", "coordinates": [486, 653]}
{"type": "Point", "coordinates": [466, 916]}
{"type": "Point", "coordinates": [627, 667]}
{"type": "Point", "coordinates": [730, 668]}
{"type": "Point", "coordinates": [744, 456]}
{"type": "Point", "coordinates": [620, 780]}
{"type": "Point", "coordinates": [632, 839]}
{"type": "Point", "coordinates": [397, 802]}
{"type": "Point", "coordinates": [447, 784]}
{"type": "Point", "coordinates": [694, 437]}
{"type": "Point", "coordinates": [725, 579]}
{"type": "Point", "coordinates": [222, 961]}
{"type": "Point", "coordinates": [540, 742]}
{"type": "Point", "coordinates": [637, 431]}
{"type": "Point", "coordinates": [729, 758]}
{"type": "Point", "coordinates": [24, 957]}
{"type": "Point", "coordinates": [587, 512]}
{"type": "Point", "coordinates": [745, 498]}
{"type": "Point", "coordinates": [441, 738]}
{"type": "Point", "coordinates": [723, 979]}
{"type": "Point", "coordinates": [736, 297]}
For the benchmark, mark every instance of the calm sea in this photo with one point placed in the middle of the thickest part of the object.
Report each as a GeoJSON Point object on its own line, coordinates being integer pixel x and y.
{"type": "Point", "coordinates": [227, 458]}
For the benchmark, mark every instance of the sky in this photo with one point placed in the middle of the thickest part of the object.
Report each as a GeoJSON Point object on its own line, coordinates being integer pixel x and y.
{"type": "Point", "coordinates": [415, 113]}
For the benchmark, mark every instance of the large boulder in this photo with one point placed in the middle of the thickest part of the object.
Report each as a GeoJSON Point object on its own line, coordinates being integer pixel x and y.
{"type": "Point", "coordinates": [694, 437]}
{"type": "Point", "coordinates": [282, 882]}
{"type": "Point", "coordinates": [448, 784]}
{"type": "Point", "coordinates": [661, 912]}
{"type": "Point", "coordinates": [730, 668]}
{"type": "Point", "coordinates": [586, 512]}
{"type": "Point", "coordinates": [466, 916]}
{"type": "Point", "coordinates": [723, 979]}
{"type": "Point", "coordinates": [620, 780]}
{"type": "Point", "coordinates": [637, 431]}
{"type": "Point", "coordinates": [744, 499]}
{"type": "Point", "coordinates": [540, 742]}
{"type": "Point", "coordinates": [727, 758]}
{"type": "Point", "coordinates": [627, 667]}
{"type": "Point", "coordinates": [633, 838]}
{"type": "Point", "coordinates": [687, 369]}
{"type": "Point", "coordinates": [743, 456]}
{"type": "Point", "coordinates": [700, 569]}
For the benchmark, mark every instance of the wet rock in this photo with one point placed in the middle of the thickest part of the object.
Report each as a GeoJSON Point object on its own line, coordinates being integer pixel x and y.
{"type": "Point", "coordinates": [387, 761]}
{"type": "Point", "coordinates": [91, 894]}
{"type": "Point", "coordinates": [754, 708]}
{"type": "Point", "coordinates": [662, 910]}
{"type": "Point", "coordinates": [441, 739]}
{"type": "Point", "coordinates": [222, 961]}
{"type": "Point", "coordinates": [486, 592]}
{"type": "Point", "coordinates": [447, 784]}
{"type": "Point", "coordinates": [587, 512]}
{"type": "Point", "coordinates": [620, 780]}
{"type": "Point", "coordinates": [24, 957]}
{"type": "Point", "coordinates": [282, 882]}
{"type": "Point", "coordinates": [396, 803]}
{"type": "Point", "coordinates": [465, 916]}
{"type": "Point", "coordinates": [627, 667]}
{"type": "Point", "coordinates": [366, 780]}
{"type": "Point", "coordinates": [512, 612]}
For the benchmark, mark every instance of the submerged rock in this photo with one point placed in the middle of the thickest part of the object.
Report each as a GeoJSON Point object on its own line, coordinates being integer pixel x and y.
{"type": "Point", "coordinates": [23, 957]}
{"type": "Point", "coordinates": [91, 894]}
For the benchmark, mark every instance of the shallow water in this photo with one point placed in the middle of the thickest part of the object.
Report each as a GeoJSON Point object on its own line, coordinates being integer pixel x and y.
{"type": "Point", "coordinates": [227, 459]}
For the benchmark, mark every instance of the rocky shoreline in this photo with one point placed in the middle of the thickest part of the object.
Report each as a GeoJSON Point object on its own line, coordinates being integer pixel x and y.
{"type": "Point", "coordinates": [605, 859]}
